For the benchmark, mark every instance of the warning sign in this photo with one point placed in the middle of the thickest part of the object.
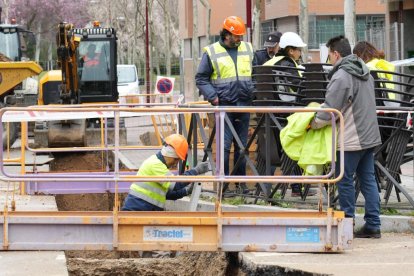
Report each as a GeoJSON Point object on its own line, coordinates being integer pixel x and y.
{"type": "Point", "coordinates": [164, 85]}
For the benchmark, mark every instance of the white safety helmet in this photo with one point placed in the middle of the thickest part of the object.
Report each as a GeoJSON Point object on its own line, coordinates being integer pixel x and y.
{"type": "Point", "coordinates": [291, 39]}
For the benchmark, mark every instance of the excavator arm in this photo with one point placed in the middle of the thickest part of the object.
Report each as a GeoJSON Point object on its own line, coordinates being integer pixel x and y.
{"type": "Point", "coordinates": [67, 44]}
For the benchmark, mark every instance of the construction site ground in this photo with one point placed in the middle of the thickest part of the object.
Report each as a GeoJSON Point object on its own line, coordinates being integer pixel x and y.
{"type": "Point", "coordinates": [390, 255]}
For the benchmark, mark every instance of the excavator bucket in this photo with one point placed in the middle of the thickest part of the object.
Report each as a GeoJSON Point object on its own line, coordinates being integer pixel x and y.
{"type": "Point", "coordinates": [14, 72]}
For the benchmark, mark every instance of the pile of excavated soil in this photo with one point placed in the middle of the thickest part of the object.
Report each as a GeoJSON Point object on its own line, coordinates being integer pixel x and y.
{"type": "Point", "coordinates": [88, 161]}
{"type": "Point", "coordinates": [82, 162]}
{"type": "Point", "coordinates": [188, 263]}
{"type": "Point", "coordinates": [127, 263]}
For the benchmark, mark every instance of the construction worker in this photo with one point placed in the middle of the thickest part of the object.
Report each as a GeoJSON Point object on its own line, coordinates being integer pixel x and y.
{"type": "Point", "coordinates": [224, 78]}
{"type": "Point", "coordinates": [351, 91]}
{"type": "Point", "coordinates": [374, 59]}
{"type": "Point", "coordinates": [289, 55]}
{"type": "Point", "coordinates": [91, 59]}
{"type": "Point", "coordinates": [271, 47]}
{"type": "Point", "coordinates": [151, 196]}
{"type": "Point", "coordinates": [289, 52]}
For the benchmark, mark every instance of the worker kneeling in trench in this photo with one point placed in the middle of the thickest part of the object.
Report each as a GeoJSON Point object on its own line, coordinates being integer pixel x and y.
{"type": "Point", "coordinates": [151, 196]}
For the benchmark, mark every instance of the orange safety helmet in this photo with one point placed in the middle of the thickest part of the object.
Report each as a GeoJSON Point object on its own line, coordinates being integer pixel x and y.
{"type": "Point", "coordinates": [234, 25]}
{"type": "Point", "coordinates": [179, 143]}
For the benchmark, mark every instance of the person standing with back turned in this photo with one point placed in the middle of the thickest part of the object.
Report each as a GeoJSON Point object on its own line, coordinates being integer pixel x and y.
{"type": "Point", "coordinates": [351, 91]}
{"type": "Point", "coordinates": [224, 78]}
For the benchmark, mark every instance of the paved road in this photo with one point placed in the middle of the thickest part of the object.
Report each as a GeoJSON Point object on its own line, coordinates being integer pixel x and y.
{"type": "Point", "coordinates": [390, 255]}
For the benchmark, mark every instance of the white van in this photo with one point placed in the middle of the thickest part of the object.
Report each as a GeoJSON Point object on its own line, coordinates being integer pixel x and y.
{"type": "Point", "coordinates": [128, 84]}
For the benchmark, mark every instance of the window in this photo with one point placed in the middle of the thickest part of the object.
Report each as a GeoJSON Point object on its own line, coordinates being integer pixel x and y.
{"type": "Point", "coordinates": [10, 45]}
{"type": "Point", "coordinates": [322, 28]}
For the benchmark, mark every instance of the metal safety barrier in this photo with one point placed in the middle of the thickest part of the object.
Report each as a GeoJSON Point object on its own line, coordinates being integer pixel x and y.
{"type": "Point", "coordinates": [309, 231]}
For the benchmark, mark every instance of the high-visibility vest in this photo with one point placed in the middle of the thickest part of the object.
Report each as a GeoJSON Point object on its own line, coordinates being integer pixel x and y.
{"type": "Point", "coordinates": [152, 192]}
{"type": "Point", "coordinates": [276, 59]}
{"type": "Point", "coordinates": [312, 148]}
{"type": "Point", "coordinates": [381, 64]}
{"type": "Point", "coordinates": [272, 62]}
{"type": "Point", "coordinates": [90, 62]}
{"type": "Point", "coordinates": [224, 69]}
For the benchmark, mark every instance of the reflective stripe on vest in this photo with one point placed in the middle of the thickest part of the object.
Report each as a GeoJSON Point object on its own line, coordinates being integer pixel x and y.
{"type": "Point", "coordinates": [152, 192]}
{"type": "Point", "coordinates": [224, 69]}
{"type": "Point", "coordinates": [276, 59]}
{"type": "Point", "coordinates": [380, 64]}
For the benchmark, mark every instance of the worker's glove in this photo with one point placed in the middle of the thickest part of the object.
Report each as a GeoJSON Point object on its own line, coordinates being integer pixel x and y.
{"type": "Point", "coordinates": [189, 189]}
{"type": "Point", "coordinates": [202, 168]}
{"type": "Point", "coordinates": [215, 101]}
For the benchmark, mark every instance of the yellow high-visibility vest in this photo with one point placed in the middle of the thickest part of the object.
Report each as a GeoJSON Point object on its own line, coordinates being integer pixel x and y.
{"type": "Point", "coordinates": [224, 69]}
{"type": "Point", "coordinates": [276, 59]}
{"type": "Point", "coordinates": [152, 192]}
{"type": "Point", "coordinates": [381, 64]}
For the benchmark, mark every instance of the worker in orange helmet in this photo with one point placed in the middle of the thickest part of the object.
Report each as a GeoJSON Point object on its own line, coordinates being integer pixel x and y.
{"type": "Point", "coordinates": [224, 78]}
{"type": "Point", "coordinates": [151, 196]}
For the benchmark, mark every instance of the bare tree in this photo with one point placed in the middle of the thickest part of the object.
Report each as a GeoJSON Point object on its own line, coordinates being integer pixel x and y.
{"type": "Point", "coordinates": [304, 27]}
{"type": "Point", "coordinates": [195, 46]}
{"type": "Point", "coordinates": [256, 25]}
{"type": "Point", "coordinates": [5, 5]}
{"type": "Point", "coordinates": [350, 21]}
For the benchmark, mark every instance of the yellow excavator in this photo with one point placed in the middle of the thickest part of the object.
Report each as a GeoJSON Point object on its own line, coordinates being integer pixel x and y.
{"type": "Point", "coordinates": [17, 88]}
{"type": "Point", "coordinates": [87, 58]}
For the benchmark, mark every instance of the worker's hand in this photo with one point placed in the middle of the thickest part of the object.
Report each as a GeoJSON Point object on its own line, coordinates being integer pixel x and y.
{"type": "Point", "coordinates": [202, 168]}
{"type": "Point", "coordinates": [215, 101]}
{"type": "Point", "coordinates": [189, 189]}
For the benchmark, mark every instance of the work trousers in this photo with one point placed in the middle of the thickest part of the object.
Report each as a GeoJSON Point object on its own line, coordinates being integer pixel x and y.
{"type": "Point", "coordinates": [240, 122]}
{"type": "Point", "coordinates": [360, 163]}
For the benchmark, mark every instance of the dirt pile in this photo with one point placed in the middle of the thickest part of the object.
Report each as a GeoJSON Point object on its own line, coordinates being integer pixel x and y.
{"type": "Point", "coordinates": [89, 161]}
{"type": "Point", "coordinates": [189, 263]}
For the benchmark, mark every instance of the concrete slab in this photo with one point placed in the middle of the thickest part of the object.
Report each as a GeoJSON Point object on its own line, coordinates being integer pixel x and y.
{"type": "Point", "coordinates": [38, 263]}
{"type": "Point", "coordinates": [29, 202]}
{"type": "Point", "coordinates": [133, 159]}
{"type": "Point", "coordinates": [390, 255]}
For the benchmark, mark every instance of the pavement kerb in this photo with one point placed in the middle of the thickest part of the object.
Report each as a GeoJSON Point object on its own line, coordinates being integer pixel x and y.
{"type": "Point", "coordinates": [396, 224]}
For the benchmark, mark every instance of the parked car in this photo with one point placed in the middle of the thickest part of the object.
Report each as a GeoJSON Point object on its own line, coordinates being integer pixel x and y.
{"type": "Point", "coordinates": [128, 83]}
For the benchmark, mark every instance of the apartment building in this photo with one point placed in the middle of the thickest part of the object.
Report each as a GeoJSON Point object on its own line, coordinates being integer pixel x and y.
{"type": "Point", "coordinates": [326, 19]}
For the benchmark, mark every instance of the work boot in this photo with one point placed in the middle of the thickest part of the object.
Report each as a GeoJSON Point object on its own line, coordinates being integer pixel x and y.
{"type": "Point", "coordinates": [367, 233]}
{"type": "Point", "coordinates": [241, 188]}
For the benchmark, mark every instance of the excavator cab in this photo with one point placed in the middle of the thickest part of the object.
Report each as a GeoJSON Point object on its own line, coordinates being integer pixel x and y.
{"type": "Point", "coordinates": [87, 58]}
{"type": "Point", "coordinates": [97, 77]}
{"type": "Point", "coordinates": [17, 87]}
{"type": "Point", "coordinates": [17, 43]}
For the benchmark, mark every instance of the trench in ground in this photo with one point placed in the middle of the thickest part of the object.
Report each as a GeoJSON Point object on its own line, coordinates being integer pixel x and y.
{"type": "Point", "coordinates": [129, 262]}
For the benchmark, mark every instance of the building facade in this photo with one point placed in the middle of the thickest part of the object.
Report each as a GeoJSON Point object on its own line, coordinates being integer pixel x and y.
{"type": "Point", "coordinates": [326, 19]}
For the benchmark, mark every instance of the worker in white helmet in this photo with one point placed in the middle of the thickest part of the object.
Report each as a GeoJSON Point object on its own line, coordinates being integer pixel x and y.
{"type": "Point", "coordinates": [289, 55]}
{"type": "Point", "coordinates": [290, 51]}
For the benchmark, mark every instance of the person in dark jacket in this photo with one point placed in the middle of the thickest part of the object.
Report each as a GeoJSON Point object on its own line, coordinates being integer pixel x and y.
{"type": "Point", "coordinates": [288, 56]}
{"type": "Point", "coordinates": [224, 78]}
{"type": "Point", "coordinates": [351, 91]}
{"type": "Point", "coordinates": [271, 47]}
